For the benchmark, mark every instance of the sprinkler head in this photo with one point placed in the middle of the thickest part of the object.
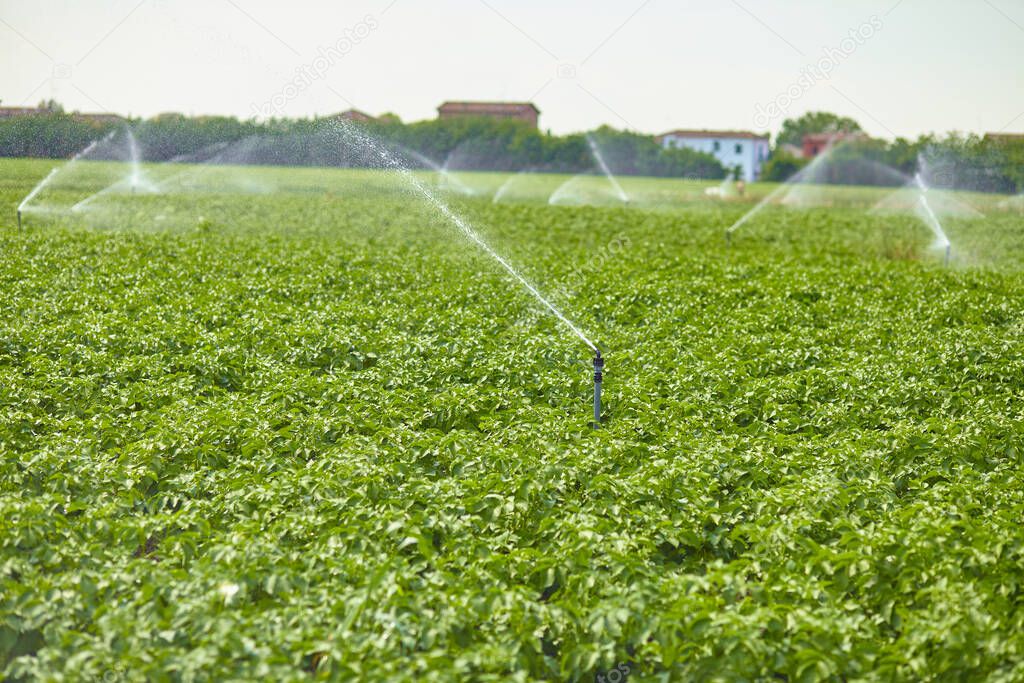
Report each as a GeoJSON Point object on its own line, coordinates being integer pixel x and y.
{"type": "Point", "coordinates": [728, 238]}
{"type": "Point", "coordinates": [19, 219]}
{"type": "Point", "coordinates": [598, 378]}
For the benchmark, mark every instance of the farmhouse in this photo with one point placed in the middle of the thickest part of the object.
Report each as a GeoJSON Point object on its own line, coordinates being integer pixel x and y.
{"type": "Point", "coordinates": [17, 112]}
{"type": "Point", "coordinates": [816, 143]}
{"type": "Point", "coordinates": [99, 118]}
{"type": "Point", "coordinates": [1005, 138]}
{"type": "Point", "coordinates": [14, 112]}
{"type": "Point", "coordinates": [522, 111]}
{"type": "Point", "coordinates": [354, 115]}
{"type": "Point", "coordinates": [733, 149]}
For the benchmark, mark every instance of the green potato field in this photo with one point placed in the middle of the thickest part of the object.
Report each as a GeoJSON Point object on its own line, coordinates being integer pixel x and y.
{"type": "Point", "coordinates": [290, 424]}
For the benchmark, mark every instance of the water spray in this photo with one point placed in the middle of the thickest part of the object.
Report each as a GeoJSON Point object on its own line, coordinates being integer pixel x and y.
{"type": "Point", "coordinates": [931, 219]}
{"type": "Point", "coordinates": [807, 172]}
{"type": "Point", "coordinates": [32, 195]}
{"type": "Point", "coordinates": [53, 171]}
{"type": "Point", "coordinates": [596, 151]}
{"type": "Point", "coordinates": [354, 134]}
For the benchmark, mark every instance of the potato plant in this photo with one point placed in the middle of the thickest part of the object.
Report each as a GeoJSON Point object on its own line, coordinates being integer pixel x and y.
{"type": "Point", "coordinates": [311, 434]}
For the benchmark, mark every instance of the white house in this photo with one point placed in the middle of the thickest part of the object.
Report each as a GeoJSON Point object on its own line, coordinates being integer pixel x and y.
{"type": "Point", "coordinates": [733, 149]}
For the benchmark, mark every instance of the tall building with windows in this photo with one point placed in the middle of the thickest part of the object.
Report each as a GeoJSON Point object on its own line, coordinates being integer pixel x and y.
{"type": "Point", "coordinates": [740, 150]}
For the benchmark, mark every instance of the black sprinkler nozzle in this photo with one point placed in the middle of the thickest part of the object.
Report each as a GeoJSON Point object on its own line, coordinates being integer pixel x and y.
{"type": "Point", "coordinates": [598, 378]}
{"type": "Point", "coordinates": [19, 219]}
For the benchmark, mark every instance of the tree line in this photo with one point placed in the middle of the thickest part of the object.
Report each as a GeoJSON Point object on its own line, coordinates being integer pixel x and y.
{"type": "Point", "coordinates": [953, 161]}
{"type": "Point", "coordinates": [956, 161]}
{"type": "Point", "coordinates": [458, 144]}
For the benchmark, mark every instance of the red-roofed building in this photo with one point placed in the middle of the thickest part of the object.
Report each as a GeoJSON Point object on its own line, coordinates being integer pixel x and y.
{"type": "Point", "coordinates": [816, 143]}
{"type": "Point", "coordinates": [14, 112]}
{"type": "Point", "coordinates": [99, 118]}
{"type": "Point", "coordinates": [354, 115]}
{"type": "Point", "coordinates": [521, 111]}
{"type": "Point", "coordinates": [1005, 138]}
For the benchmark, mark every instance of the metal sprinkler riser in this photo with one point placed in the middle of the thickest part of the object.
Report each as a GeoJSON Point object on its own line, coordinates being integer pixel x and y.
{"type": "Point", "coordinates": [19, 219]}
{"type": "Point", "coordinates": [598, 378]}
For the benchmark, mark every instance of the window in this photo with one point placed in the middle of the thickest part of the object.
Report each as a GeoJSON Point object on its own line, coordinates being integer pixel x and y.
{"type": "Point", "coordinates": [717, 146]}
{"type": "Point", "coordinates": [739, 148]}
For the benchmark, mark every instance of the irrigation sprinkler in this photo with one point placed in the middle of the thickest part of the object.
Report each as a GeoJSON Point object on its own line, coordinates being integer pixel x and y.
{"type": "Point", "coordinates": [598, 377]}
{"type": "Point", "coordinates": [728, 238]}
{"type": "Point", "coordinates": [949, 248]}
{"type": "Point", "coordinates": [19, 219]}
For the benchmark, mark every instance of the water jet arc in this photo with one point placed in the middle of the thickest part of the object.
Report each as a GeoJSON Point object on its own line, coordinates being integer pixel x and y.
{"type": "Point", "coordinates": [596, 151]}
{"type": "Point", "coordinates": [36, 190]}
{"type": "Point", "coordinates": [806, 172]}
{"type": "Point", "coordinates": [352, 133]}
{"type": "Point", "coordinates": [388, 160]}
{"type": "Point", "coordinates": [931, 218]}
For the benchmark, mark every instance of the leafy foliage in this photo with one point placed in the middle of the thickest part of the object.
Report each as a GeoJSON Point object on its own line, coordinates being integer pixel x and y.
{"type": "Point", "coordinates": [983, 164]}
{"type": "Point", "coordinates": [466, 143]}
{"type": "Point", "coordinates": [781, 167]}
{"type": "Point", "coordinates": [327, 439]}
{"type": "Point", "coordinates": [55, 135]}
{"type": "Point", "coordinates": [794, 130]}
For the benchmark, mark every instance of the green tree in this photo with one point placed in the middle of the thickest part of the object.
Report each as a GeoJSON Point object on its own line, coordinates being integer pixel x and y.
{"type": "Point", "coordinates": [53, 136]}
{"type": "Point", "coordinates": [781, 167]}
{"type": "Point", "coordinates": [902, 155]}
{"type": "Point", "coordinates": [51, 106]}
{"type": "Point", "coordinates": [628, 153]}
{"type": "Point", "coordinates": [794, 130]}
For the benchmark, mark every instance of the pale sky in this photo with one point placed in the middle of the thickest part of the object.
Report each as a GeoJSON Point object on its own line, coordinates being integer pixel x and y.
{"type": "Point", "coordinates": [651, 66]}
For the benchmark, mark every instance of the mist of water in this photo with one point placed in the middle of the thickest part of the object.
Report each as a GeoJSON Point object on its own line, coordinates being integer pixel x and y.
{"type": "Point", "coordinates": [442, 171]}
{"type": "Point", "coordinates": [352, 132]}
{"type": "Point", "coordinates": [36, 190]}
{"type": "Point", "coordinates": [24, 205]}
{"type": "Point", "coordinates": [929, 214]}
{"type": "Point", "coordinates": [507, 186]}
{"type": "Point", "coordinates": [1015, 203]}
{"type": "Point", "coordinates": [222, 166]}
{"type": "Point", "coordinates": [596, 151]}
{"type": "Point", "coordinates": [807, 171]}
{"type": "Point", "coordinates": [724, 190]}
{"type": "Point", "coordinates": [563, 191]}
{"type": "Point", "coordinates": [135, 181]}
